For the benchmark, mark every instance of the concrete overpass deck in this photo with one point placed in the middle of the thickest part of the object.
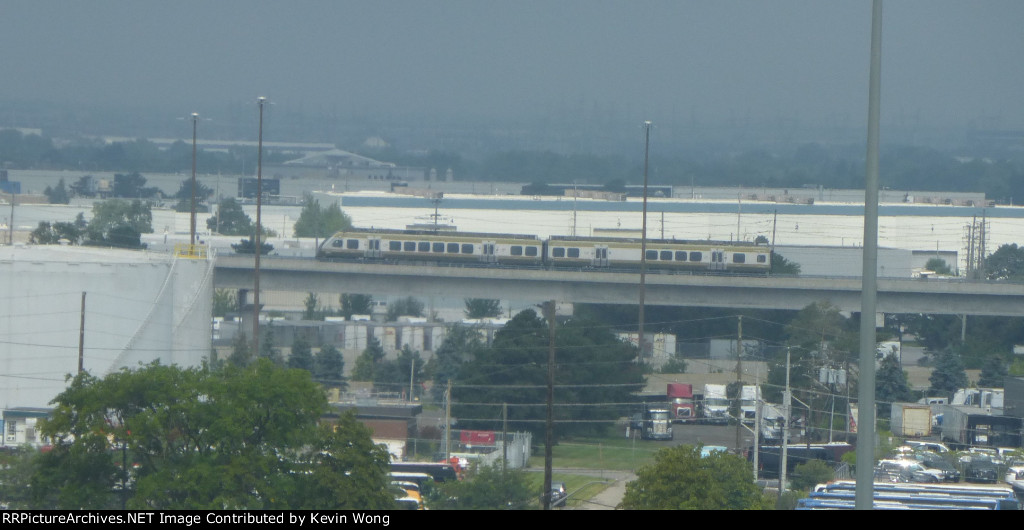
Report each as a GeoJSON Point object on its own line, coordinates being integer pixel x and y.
{"type": "Point", "coordinates": [580, 286]}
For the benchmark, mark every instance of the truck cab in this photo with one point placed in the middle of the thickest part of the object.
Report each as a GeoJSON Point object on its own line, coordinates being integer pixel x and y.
{"type": "Point", "coordinates": [656, 424]}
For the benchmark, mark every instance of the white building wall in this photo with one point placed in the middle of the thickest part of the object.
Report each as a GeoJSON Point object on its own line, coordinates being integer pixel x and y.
{"type": "Point", "coordinates": [139, 307]}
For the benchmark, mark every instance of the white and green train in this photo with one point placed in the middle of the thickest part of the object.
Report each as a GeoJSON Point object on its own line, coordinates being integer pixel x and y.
{"type": "Point", "coordinates": [555, 252]}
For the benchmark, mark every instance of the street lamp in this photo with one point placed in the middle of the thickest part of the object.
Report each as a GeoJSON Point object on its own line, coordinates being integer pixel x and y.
{"type": "Point", "coordinates": [643, 247]}
{"type": "Point", "coordinates": [192, 225]}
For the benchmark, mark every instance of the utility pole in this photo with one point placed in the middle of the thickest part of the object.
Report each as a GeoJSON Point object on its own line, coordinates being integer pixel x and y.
{"type": "Point", "coordinates": [786, 414]}
{"type": "Point", "coordinates": [448, 421]}
{"type": "Point", "coordinates": [81, 337]}
{"type": "Point", "coordinates": [549, 310]}
{"type": "Point", "coordinates": [739, 383]}
{"type": "Point", "coordinates": [192, 225]}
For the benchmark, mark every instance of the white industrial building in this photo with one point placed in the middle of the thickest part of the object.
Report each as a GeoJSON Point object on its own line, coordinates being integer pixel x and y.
{"type": "Point", "coordinates": [138, 307]}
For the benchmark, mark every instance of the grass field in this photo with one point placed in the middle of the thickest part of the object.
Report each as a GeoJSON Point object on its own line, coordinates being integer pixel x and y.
{"type": "Point", "coordinates": [615, 453]}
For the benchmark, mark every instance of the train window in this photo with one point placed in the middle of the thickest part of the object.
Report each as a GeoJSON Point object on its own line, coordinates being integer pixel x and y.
{"type": "Point", "coordinates": [666, 255]}
{"type": "Point", "coordinates": [409, 246]}
{"type": "Point", "coordinates": [516, 250]}
{"type": "Point", "coordinates": [423, 246]}
{"type": "Point", "coordinates": [352, 244]}
{"type": "Point", "coordinates": [652, 254]}
{"type": "Point", "coordinates": [739, 258]}
{"type": "Point", "coordinates": [761, 258]}
{"type": "Point", "coordinates": [438, 247]}
{"type": "Point", "coordinates": [338, 243]}
{"type": "Point", "coordinates": [696, 256]}
{"type": "Point", "coordinates": [558, 252]}
{"type": "Point", "coordinates": [394, 245]}
{"type": "Point", "coordinates": [453, 248]}
{"type": "Point", "coordinates": [467, 248]}
{"type": "Point", "coordinates": [680, 255]}
{"type": "Point", "coordinates": [531, 251]}
{"type": "Point", "coordinates": [574, 252]}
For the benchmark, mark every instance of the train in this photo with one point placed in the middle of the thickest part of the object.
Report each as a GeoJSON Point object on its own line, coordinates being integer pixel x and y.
{"type": "Point", "coordinates": [555, 252]}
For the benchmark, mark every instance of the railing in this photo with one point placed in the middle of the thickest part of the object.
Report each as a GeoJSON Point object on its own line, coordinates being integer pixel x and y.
{"type": "Point", "coordinates": [189, 251]}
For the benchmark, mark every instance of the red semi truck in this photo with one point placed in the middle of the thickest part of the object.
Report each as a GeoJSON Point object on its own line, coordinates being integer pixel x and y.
{"type": "Point", "coordinates": [682, 405]}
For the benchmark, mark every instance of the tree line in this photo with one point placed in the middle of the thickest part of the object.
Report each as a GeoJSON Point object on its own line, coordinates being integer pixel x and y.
{"type": "Point", "coordinates": [1000, 175]}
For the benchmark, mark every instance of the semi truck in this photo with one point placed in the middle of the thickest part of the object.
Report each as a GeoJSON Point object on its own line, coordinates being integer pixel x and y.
{"type": "Point", "coordinates": [682, 406]}
{"type": "Point", "coordinates": [716, 404]}
{"type": "Point", "coordinates": [656, 424]}
{"type": "Point", "coordinates": [749, 396]}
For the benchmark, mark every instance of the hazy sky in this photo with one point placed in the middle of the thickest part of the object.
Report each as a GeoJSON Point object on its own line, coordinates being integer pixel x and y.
{"type": "Point", "coordinates": [945, 62]}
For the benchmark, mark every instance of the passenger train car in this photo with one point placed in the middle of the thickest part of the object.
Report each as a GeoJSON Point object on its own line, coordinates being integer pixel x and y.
{"type": "Point", "coordinates": [556, 252]}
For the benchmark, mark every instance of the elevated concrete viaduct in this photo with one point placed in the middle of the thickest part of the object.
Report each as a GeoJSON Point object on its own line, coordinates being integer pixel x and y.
{"type": "Point", "coordinates": [894, 295]}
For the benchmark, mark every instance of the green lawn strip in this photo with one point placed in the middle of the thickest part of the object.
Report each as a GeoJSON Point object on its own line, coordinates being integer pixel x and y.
{"type": "Point", "coordinates": [614, 453]}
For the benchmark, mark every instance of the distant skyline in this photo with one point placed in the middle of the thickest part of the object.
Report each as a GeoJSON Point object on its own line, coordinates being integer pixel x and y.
{"type": "Point", "coordinates": [946, 64]}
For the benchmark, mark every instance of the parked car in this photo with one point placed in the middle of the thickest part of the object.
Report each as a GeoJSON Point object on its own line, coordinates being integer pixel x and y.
{"type": "Point", "coordinates": [980, 469]}
{"type": "Point", "coordinates": [934, 462]}
{"type": "Point", "coordinates": [558, 494]}
{"type": "Point", "coordinates": [906, 470]}
{"type": "Point", "coordinates": [934, 447]}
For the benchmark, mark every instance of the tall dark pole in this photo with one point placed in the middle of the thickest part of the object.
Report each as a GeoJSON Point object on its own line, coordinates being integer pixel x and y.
{"type": "Point", "coordinates": [549, 312]}
{"type": "Point", "coordinates": [864, 498]}
{"type": "Point", "coordinates": [81, 337]}
{"type": "Point", "coordinates": [192, 230]}
{"type": "Point", "coordinates": [257, 245]}
{"type": "Point", "coordinates": [643, 249]}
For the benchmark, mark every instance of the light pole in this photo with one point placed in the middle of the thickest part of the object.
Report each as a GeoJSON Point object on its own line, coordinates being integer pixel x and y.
{"type": "Point", "coordinates": [192, 225]}
{"type": "Point", "coordinates": [643, 247]}
{"type": "Point", "coordinates": [261, 101]}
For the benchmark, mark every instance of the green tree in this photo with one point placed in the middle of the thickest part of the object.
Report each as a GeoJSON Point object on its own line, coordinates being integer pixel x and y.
{"type": "Point", "coordinates": [246, 246]}
{"type": "Point", "coordinates": [315, 221]}
{"type": "Point", "coordinates": [132, 186]}
{"type": "Point", "coordinates": [47, 234]}
{"type": "Point", "coordinates": [680, 479]}
{"type": "Point", "coordinates": [302, 355]}
{"type": "Point", "coordinates": [482, 308]}
{"type": "Point", "coordinates": [948, 375]}
{"type": "Point", "coordinates": [939, 265]}
{"type": "Point", "coordinates": [485, 488]}
{"type": "Point", "coordinates": [356, 304]}
{"type": "Point", "coordinates": [993, 372]}
{"type": "Point", "coordinates": [240, 438]}
{"type": "Point", "coordinates": [329, 367]}
{"type": "Point", "coordinates": [461, 344]}
{"type": "Point", "coordinates": [224, 302]}
{"type": "Point", "coordinates": [1006, 263]}
{"type": "Point", "coordinates": [184, 196]}
{"type": "Point", "coordinates": [675, 365]}
{"type": "Point", "coordinates": [809, 474]}
{"type": "Point", "coordinates": [367, 361]}
{"type": "Point", "coordinates": [394, 375]}
{"type": "Point", "coordinates": [58, 195]}
{"type": "Point", "coordinates": [404, 307]}
{"type": "Point", "coordinates": [230, 220]}
{"type": "Point", "coordinates": [267, 349]}
{"type": "Point", "coordinates": [241, 351]}
{"type": "Point", "coordinates": [593, 367]}
{"type": "Point", "coordinates": [781, 265]}
{"type": "Point", "coordinates": [17, 466]}
{"type": "Point", "coordinates": [118, 222]}
{"type": "Point", "coordinates": [890, 385]}
{"type": "Point", "coordinates": [312, 311]}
